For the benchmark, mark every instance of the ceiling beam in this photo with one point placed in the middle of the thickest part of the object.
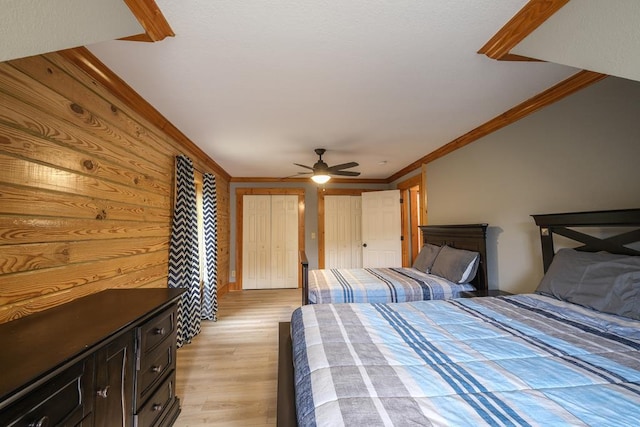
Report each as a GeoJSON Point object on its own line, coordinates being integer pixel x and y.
{"type": "Point", "coordinates": [152, 20]}
{"type": "Point", "coordinates": [523, 23]}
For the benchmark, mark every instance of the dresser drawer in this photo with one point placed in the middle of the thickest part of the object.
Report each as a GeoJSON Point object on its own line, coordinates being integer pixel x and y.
{"type": "Point", "coordinates": [154, 367]}
{"type": "Point", "coordinates": [157, 407]}
{"type": "Point", "coordinates": [62, 401]}
{"type": "Point", "coordinates": [157, 330]}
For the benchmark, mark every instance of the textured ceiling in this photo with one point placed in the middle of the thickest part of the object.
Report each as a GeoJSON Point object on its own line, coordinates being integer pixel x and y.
{"type": "Point", "coordinates": [30, 27]}
{"type": "Point", "coordinates": [258, 85]}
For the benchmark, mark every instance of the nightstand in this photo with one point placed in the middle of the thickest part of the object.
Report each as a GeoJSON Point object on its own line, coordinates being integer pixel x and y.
{"type": "Point", "coordinates": [484, 293]}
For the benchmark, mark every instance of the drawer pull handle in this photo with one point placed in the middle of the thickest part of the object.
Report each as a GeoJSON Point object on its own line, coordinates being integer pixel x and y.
{"type": "Point", "coordinates": [42, 422]}
{"type": "Point", "coordinates": [156, 369]}
{"type": "Point", "coordinates": [103, 392]}
{"type": "Point", "coordinates": [157, 407]}
{"type": "Point", "coordinates": [159, 331]}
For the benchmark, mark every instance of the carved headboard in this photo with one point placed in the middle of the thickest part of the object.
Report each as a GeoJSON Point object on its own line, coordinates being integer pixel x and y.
{"type": "Point", "coordinates": [566, 224]}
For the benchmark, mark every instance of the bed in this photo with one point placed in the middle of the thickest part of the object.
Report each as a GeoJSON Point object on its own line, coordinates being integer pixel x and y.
{"type": "Point", "coordinates": [547, 358]}
{"type": "Point", "coordinates": [442, 245]}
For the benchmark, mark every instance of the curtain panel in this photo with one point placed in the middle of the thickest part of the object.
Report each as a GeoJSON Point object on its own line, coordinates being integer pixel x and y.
{"type": "Point", "coordinates": [210, 217]}
{"type": "Point", "coordinates": [184, 268]}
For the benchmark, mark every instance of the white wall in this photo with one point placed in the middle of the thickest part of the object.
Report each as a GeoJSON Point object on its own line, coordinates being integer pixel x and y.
{"type": "Point", "coordinates": [579, 154]}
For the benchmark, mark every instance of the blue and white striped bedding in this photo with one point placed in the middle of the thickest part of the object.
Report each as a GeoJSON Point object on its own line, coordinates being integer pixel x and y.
{"type": "Point", "coordinates": [517, 360]}
{"type": "Point", "coordinates": [378, 285]}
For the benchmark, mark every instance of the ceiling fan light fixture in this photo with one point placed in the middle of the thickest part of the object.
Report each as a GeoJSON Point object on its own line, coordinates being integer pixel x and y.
{"type": "Point", "coordinates": [320, 178]}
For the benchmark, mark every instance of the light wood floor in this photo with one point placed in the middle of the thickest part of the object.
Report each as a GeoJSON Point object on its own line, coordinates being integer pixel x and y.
{"type": "Point", "coordinates": [227, 375]}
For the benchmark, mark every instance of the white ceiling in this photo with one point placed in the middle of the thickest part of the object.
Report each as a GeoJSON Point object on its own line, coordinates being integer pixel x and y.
{"type": "Point", "coordinates": [258, 85]}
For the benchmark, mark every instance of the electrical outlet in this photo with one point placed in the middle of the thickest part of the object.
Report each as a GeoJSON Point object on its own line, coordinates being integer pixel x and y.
{"type": "Point", "coordinates": [233, 273]}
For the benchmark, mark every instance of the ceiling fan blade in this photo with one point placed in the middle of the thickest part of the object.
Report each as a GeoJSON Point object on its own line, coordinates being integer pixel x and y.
{"type": "Point", "coordinates": [345, 173]}
{"type": "Point", "coordinates": [297, 174]}
{"type": "Point", "coordinates": [303, 166]}
{"type": "Point", "coordinates": [343, 166]}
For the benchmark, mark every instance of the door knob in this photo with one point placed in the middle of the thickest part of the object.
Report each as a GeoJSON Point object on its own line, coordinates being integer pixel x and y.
{"type": "Point", "coordinates": [364, 245]}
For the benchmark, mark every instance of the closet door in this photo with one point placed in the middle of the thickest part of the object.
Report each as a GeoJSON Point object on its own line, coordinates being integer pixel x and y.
{"type": "Point", "coordinates": [256, 246]}
{"type": "Point", "coordinates": [284, 241]}
{"type": "Point", "coordinates": [270, 241]}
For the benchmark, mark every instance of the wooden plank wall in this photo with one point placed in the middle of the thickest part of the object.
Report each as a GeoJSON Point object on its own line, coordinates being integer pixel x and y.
{"type": "Point", "coordinates": [86, 190]}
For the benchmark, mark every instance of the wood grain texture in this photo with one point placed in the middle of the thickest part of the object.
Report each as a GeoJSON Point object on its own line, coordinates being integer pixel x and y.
{"type": "Point", "coordinates": [87, 62]}
{"type": "Point", "coordinates": [530, 17]}
{"type": "Point", "coordinates": [27, 285]}
{"type": "Point", "coordinates": [227, 375]}
{"type": "Point", "coordinates": [36, 256]}
{"type": "Point", "coordinates": [555, 93]}
{"type": "Point", "coordinates": [45, 177]}
{"type": "Point", "coordinates": [152, 20]}
{"type": "Point", "coordinates": [86, 189]}
{"type": "Point", "coordinates": [20, 200]}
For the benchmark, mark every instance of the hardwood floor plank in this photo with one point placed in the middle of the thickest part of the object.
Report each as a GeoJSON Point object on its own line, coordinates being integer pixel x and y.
{"type": "Point", "coordinates": [228, 375]}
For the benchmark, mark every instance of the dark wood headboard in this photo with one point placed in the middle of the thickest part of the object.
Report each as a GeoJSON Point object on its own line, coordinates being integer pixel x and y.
{"type": "Point", "coordinates": [565, 224]}
{"type": "Point", "coordinates": [471, 237]}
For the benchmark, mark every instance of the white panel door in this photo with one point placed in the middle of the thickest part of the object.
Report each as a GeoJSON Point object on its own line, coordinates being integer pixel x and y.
{"type": "Point", "coordinates": [342, 231]}
{"type": "Point", "coordinates": [355, 246]}
{"type": "Point", "coordinates": [381, 229]}
{"type": "Point", "coordinates": [284, 241]}
{"type": "Point", "coordinates": [270, 241]}
{"type": "Point", "coordinates": [256, 245]}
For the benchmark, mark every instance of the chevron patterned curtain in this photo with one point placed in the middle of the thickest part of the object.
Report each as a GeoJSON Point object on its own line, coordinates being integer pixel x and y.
{"type": "Point", "coordinates": [210, 214]}
{"type": "Point", "coordinates": [184, 269]}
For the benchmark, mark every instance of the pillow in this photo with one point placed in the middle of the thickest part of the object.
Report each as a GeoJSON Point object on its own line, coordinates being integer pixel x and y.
{"type": "Point", "coordinates": [606, 282]}
{"type": "Point", "coordinates": [456, 265]}
{"type": "Point", "coordinates": [426, 257]}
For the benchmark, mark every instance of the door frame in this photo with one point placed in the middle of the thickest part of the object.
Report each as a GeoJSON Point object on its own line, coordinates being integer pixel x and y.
{"type": "Point", "coordinates": [240, 193]}
{"type": "Point", "coordinates": [408, 228]}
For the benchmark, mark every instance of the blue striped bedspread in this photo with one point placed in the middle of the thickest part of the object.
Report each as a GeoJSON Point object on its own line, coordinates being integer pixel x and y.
{"type": "Point", "coordinates": [377, 285]}
{"type": "Point", "coordinates": [522, 360]}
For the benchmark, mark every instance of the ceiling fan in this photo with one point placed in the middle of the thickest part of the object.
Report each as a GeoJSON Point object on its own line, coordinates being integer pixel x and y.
{"type": "Point", "coordinates": [322, 172]}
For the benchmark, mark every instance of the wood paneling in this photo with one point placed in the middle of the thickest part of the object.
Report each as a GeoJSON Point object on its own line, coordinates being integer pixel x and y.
{"type": "Point", "coordinates": [86, 188]}
{"type": "Point", "coordinates": [101, 76]}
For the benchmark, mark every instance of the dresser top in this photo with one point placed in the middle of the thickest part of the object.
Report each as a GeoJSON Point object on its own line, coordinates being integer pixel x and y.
{"type": "Point", "coordinates": [37, 346]}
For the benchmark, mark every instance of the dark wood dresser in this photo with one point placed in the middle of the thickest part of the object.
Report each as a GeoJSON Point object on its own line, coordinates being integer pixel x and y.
{"type": "Point", "coordinates": [107, 359]}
